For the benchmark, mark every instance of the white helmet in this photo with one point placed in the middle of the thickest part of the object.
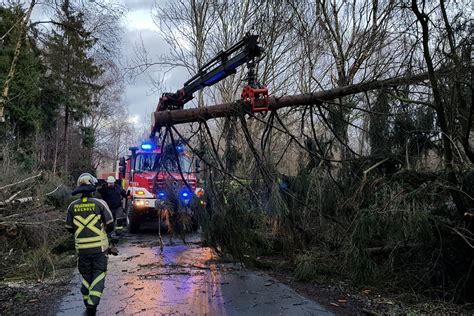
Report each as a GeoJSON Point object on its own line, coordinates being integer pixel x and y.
{"type": "Point", "coordinates": [110, 179]}
{"type": "Point", "coordinates": [86, 178]}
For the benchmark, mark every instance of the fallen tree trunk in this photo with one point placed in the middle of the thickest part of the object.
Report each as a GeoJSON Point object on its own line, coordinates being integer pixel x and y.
{"type": "Point", "coordinates": [11, 198]}
{"type": "Point", "coordinates": [229, 109]}
{"type": "Point", "coordinates": [17, 201]}
{"type": "Point", "coordinates": [22, 181]}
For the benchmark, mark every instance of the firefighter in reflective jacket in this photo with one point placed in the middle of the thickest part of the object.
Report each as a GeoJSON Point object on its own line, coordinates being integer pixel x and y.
{"type": "Point", "coordinates": [90, 220]}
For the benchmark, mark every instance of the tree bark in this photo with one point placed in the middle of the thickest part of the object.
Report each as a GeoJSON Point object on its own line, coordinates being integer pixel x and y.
{"type": "Point", "coordinates": [230, 109]}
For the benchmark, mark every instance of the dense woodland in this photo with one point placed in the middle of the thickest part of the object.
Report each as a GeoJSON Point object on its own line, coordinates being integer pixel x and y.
{"type": "Point", "coordinates": [375, 187]}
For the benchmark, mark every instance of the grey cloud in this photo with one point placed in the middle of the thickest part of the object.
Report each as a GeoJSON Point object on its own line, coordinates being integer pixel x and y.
{"type": "Point", "coordinates": [139, 95]}
{"type": "Point", "coordinates": [138, 4]}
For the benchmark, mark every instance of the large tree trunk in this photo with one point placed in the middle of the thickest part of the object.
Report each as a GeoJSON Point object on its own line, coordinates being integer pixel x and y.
{"type": "Point", "coordinates": [235, 108]}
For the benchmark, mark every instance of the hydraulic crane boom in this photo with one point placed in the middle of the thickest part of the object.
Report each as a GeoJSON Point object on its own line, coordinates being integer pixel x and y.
{"type": "Point", "coordinates": [215, 70]}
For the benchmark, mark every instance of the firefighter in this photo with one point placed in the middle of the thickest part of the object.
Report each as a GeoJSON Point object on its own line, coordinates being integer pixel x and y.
{"type": "Point", "coordinates": [90, 219]}
{"type": "Point", "coordinates": [112, 193]}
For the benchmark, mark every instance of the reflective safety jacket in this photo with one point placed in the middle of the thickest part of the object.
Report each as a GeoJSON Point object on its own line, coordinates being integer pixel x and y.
{"type": "Point", "coordinates": [88, 217]}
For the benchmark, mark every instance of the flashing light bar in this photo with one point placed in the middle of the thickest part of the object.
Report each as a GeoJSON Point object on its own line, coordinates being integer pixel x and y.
{"type": "Point", "coordinates": [140, 192]}
{"type": "Point", "coordinates": [147, 145]}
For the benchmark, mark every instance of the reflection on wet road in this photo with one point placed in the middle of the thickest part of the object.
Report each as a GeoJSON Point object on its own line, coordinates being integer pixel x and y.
{"type": "Point", "coordinates": [185, 279]}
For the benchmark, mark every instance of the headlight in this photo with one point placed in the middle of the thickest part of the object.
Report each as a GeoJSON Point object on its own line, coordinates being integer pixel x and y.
{"type": "Point", "coordinates": [139, 202]}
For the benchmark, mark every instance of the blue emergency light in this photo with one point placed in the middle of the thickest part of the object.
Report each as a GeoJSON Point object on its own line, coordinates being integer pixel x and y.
{"type": "Point", "coordinates": [185, 195]}
{"type": "Point", "coordinates": [147, 146]}
{"type": "Point", "coordinates": [180, 148]}
{"type": "Point", "coordinates": [161, 195]}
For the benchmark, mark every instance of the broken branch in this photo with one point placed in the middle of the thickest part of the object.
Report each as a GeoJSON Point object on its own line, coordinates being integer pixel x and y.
{"type": "Point", "coordinates": [22, 181]}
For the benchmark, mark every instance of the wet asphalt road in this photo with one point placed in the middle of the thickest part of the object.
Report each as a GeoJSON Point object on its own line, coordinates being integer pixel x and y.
{"type": "Point", "coordinates": [185, 280]}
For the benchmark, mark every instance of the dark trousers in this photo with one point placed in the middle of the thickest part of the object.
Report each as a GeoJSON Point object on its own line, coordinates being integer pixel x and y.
{"type": "Point", "coordinates": [92, 269]}
{"type": "Point", "coordinates": [119, 217]}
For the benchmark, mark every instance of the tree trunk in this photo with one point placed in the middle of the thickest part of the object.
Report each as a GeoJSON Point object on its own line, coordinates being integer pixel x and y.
{"type": "Point", "coordinates": [66, 141]}
{"type": "Point", "coordinates": [11, 73]}
{"type": "Point", "coordinates": [56, 149]}
{"type": "Point", "coordinates": [275, 103]}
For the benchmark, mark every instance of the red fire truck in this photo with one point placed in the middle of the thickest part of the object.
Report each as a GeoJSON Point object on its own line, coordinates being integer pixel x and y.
{"type": "Point", "coordinates": [151, 176]}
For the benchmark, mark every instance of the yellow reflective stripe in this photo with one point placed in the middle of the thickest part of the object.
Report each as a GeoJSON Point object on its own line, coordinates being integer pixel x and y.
{"type": "Point", "coordinates": [89, 239]}
{"type": "Point", "coordinates": [99, 278]}
{"type": "Point", "coordinates": [85, 283]}
{"type": "Point", "coordinates": [100, 240]}
{"type": "Point", "coordinates": [84, 199]}
{"type": "Point", "coordinates": [95, 293]}
{"type": "Point", "coordinates": [86, 220]}
{"type": "Point", "coordinates": [102, 244]}
{"type": "Point", "coordinates": [79, 229]}
{"type": "Point", "coordinates": [92, 227]}
{"type": "Point", "coordinates": [89, 301]}
{"type": "Point", "coordinates": [85, 297]}
{"type": "Point", "coordinates": [81, 223]}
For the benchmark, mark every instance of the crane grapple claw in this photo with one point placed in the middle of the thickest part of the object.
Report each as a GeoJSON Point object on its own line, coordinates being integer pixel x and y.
{"type": "Point", "coordinates": [258, 97]}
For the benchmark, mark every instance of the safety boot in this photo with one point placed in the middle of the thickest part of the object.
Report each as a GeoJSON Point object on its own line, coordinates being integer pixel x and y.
{"type": "Point", "coordinates": [91, 310]}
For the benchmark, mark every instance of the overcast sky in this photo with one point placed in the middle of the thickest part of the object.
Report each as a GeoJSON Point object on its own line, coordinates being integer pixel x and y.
{"type": "Point", "coordinates": [138, 25]}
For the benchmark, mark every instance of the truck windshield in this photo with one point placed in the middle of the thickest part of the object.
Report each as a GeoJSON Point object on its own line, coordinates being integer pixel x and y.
{"type": "Point", "coordinates": [147, 162]}
{"type": "Point", "coordinates": [157, 162]}
{"type": "Point", "coordinates": [169, 163]}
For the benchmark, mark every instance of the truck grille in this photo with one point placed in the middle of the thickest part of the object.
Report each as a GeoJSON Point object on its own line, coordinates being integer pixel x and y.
{"type": "Point", "coordinates": [161, 183]}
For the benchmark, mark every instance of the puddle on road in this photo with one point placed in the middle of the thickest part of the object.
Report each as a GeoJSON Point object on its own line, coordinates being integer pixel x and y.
{"type": "Point", "coordinates": [185, 279]}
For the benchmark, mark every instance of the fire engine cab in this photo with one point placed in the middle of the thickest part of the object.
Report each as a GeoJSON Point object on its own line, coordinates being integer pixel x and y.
{"type": "Point", "coordinates": [151, 176]}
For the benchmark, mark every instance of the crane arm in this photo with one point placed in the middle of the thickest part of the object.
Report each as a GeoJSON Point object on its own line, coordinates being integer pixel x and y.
{"type": "Point", "coordinates": [224, 64]}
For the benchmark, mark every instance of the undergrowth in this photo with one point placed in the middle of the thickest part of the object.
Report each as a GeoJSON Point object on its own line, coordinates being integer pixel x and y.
{"type": "Point", "coordinates": [383, 230]}
{"type": "Point", "coordinates": [32, 232]}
